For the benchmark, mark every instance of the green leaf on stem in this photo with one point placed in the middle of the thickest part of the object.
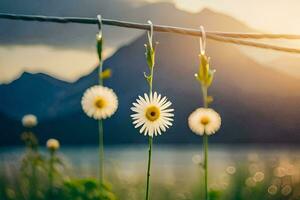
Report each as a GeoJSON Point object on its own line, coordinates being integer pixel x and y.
{"type": "Point", "coordinates": [209, 79]}
{"type": "Point", "coordinates": [150, 56]}
{"type": "Point", "coordinates": [106, 74]}
{"type": "Point", "coordinates": [147, 77]}
{"type": "Point", "coordinates": [209, 99]}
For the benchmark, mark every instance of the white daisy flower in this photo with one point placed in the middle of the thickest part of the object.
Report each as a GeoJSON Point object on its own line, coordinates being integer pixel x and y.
{"type": "Point", "coordinates": [152, 114]}
{"type": "Point", "coordinates": [53, 144]}
{"type": "Point", "coordinates": [204, 121]}
{"type": "Point", "coordinates": [29, 121]}
{"type": "Point", "coordinates": [99, 102]}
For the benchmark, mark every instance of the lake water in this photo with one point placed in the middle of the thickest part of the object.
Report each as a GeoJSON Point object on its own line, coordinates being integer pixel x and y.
{"type": "Point", "coordinates": [169, 162]}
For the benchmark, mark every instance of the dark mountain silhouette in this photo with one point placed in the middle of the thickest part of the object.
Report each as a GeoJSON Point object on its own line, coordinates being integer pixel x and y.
{"type": "Point", "coordinates": [45, 91]}
{"type": "Point", "coordinates": [257, 104]}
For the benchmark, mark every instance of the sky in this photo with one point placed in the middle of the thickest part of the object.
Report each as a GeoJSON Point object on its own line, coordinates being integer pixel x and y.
{"type": "Point", "coordinates": [268, 15]}
{"type": "Point", "coordinates": [72, 61]}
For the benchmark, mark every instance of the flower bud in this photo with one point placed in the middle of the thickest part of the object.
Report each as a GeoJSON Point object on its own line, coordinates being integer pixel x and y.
{"type": "Point", "coordinates": [53, 144]}
{"type": "Point", "coordinates": [205, 74]}
{"type": "Point", "coordinates": [29, 121]}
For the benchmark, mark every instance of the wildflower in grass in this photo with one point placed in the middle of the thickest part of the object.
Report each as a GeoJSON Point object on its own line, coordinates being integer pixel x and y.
{"type": "Point", "coordinates": [32, 158]}
{"type": "Point", "coordinates": [204, 121]}
{"type": "Point", "coordinates": [30, 141]}
{"type": "Point", "coordinates": [29, 121]}
{"type": "Point", "coordinates": [99, 102]}
{"type": "Point", "coordinates": [53, 144]}
{"type": "Point", "coordinates": [55, 166]}
{"type": "Point", "coordinates": [152, 114]}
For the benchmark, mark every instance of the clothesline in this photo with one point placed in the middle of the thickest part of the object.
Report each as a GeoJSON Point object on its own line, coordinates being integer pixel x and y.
{"type": "Point", "coordinates": [228, 37]}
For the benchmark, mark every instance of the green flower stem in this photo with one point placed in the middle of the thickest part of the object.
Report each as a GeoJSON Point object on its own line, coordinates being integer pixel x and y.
{"type": "Point", "coordinates": [33, 151]}
{"type": "Point", "coordinates": [205, 151]}
{"type": "Point", "coordinates": [205, 148]}
{"type": "Point", "coordinates": [100, 122]}
{"type": "Point", "coordinates": [51, 172]}
{"type": "Point", "coordinates": [101, 152]}
{"type": "Point", "coordinates": [150, 143]}
{"type": "Point", "coordinates": [151, 80]}
{"type": "Point", "coordinates": [149, 167]}
{"type": "Point", "coordinates": [204, 92]}
{"type": "Point", "coordinates": [100, 69]}
{"type": "Point", "coordinates": [33, 179]}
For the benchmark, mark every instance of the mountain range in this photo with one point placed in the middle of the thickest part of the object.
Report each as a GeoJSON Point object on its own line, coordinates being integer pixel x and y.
{"type": "Point", "coordinates": [257, 104]}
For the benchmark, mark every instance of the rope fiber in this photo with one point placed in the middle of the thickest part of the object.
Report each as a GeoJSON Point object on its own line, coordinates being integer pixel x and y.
{"type": "Point", "coordinates": [228, 37]}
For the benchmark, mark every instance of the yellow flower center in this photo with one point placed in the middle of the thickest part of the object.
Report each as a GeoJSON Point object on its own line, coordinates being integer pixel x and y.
{"type": "Point", "coordinates": [152, 113]}
{"type": "Point", "coordinates": [204, 120]}
{"type": "Point", "coordinates": [100, 102]}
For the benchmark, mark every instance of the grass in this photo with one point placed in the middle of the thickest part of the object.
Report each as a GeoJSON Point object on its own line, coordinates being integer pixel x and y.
{"type": "Point", "coordinates": [255, 177]}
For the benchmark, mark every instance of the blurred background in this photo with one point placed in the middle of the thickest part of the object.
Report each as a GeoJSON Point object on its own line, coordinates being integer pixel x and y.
{"type": "Point", "coordinates": [46, 67]}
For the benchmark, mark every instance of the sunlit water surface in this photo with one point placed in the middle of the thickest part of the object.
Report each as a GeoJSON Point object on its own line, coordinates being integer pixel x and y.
{"type": "Point", "coordinates": [169, 163]}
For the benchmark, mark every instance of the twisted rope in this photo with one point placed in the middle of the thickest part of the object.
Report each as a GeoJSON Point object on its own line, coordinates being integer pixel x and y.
{"type": "Point", "coordinates": [253, 44]}
{"type": "Point", "coordinates": [228, 37]}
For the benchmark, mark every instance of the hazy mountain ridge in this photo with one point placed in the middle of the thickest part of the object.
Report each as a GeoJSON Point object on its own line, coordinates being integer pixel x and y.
{"type": "Point", "coordinates": [290, 64]}
{"type": "Point", "coordinates": [257, 104]}
{"type": "Point", "coordinates": [39, 92]}
{"type": "Point", "coordinates": [75, 35]}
